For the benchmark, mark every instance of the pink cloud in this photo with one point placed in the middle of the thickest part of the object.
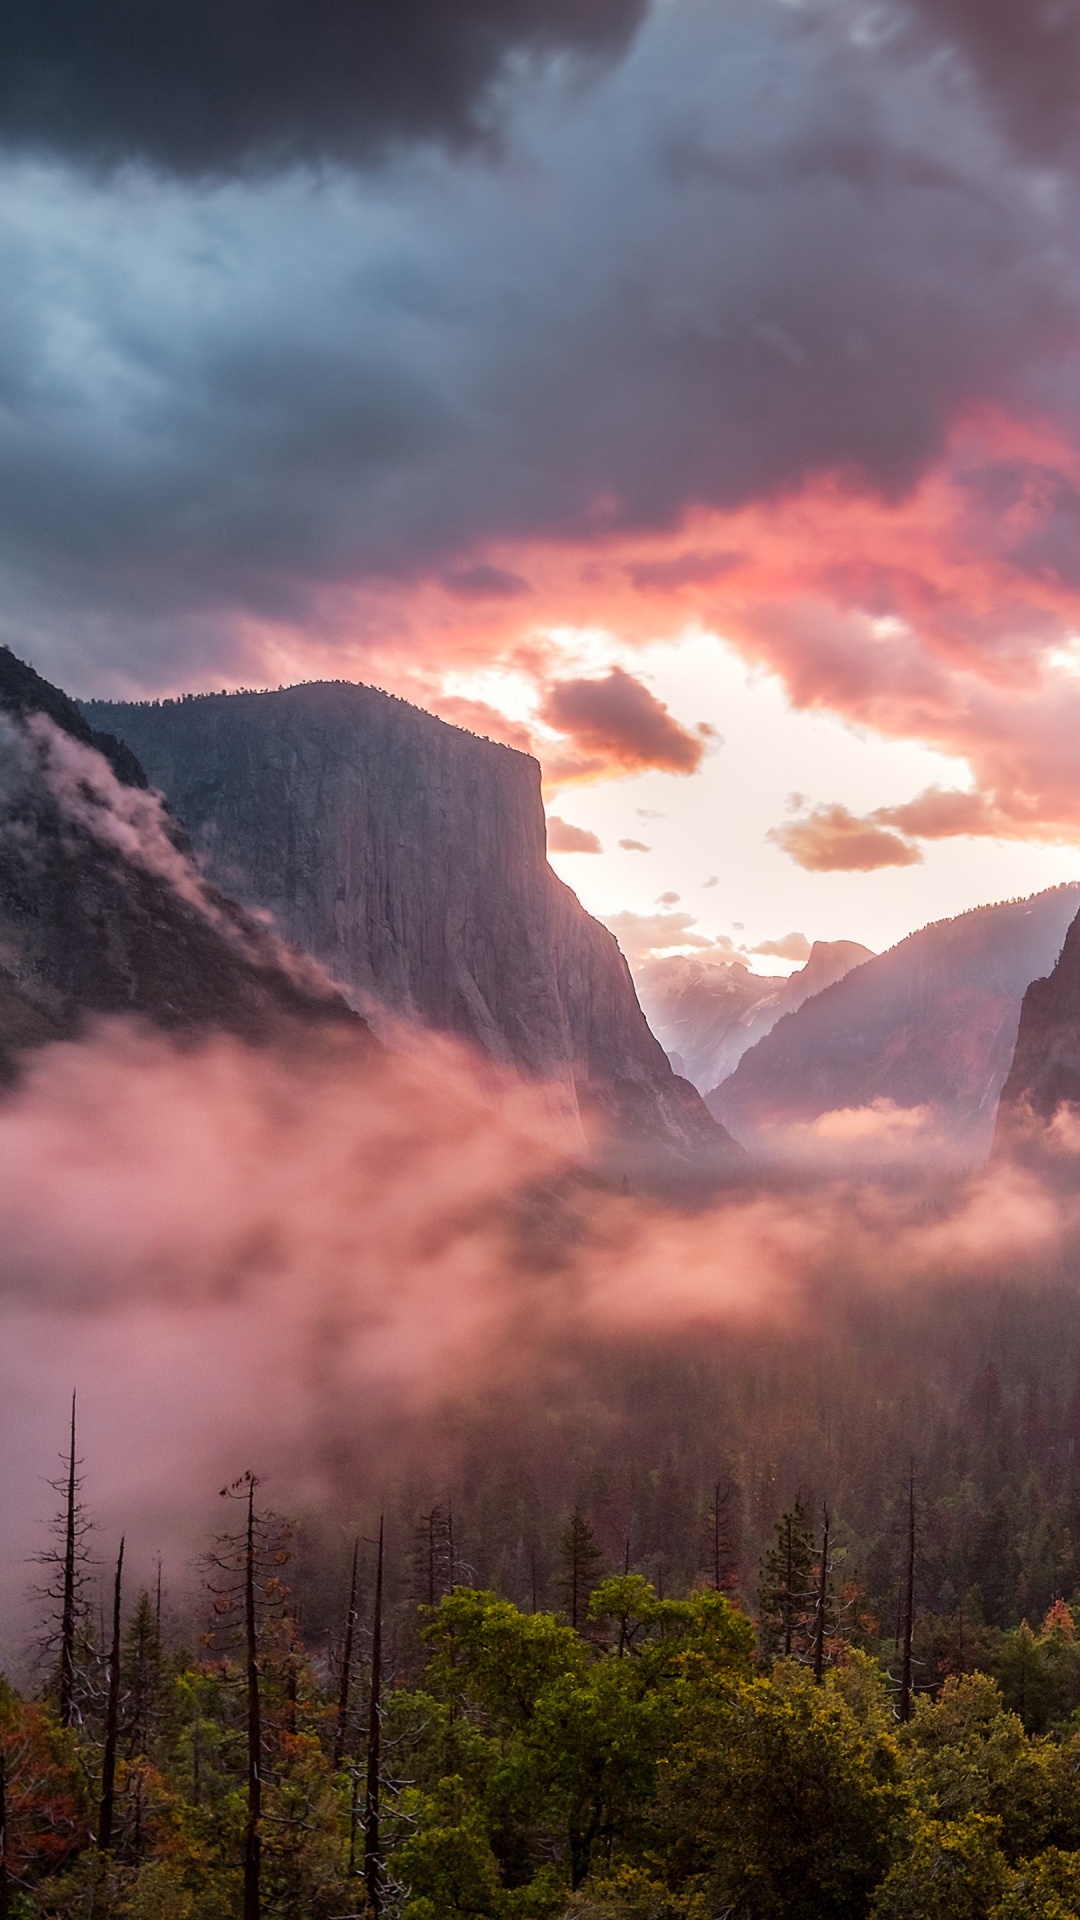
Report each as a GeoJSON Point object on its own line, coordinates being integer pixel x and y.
{"type": "Point", "coordinates": [564, 838]}
{"type": "Point", "coordinates": [619, 720]}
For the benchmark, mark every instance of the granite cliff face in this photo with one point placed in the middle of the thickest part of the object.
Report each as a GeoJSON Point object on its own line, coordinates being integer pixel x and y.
{"type": "Point", "coordinates": [707, 1013]}
{"type": "Point", "coordinates": [101, 908]}
{"type": "Point", "coordinates": [1044, 1078]}
{"type": "Point", "coordinates": [409, 857]}
{"type": "Point", "coordinates": [930, 1024]}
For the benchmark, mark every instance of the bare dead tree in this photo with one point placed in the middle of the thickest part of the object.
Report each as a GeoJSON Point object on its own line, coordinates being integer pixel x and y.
{"type": "Point", "coordinates": [65, 1592]}
{"type": "Point", "coordinates": [112, 1720]}
{"type": "Point", "coordinates": [241, 1602]}
{"type": "Point", "coordinates": [252, 1833]}
{"type": "Point", "coordinates": [822, 1600]}
{"type": "Point", "coordinates": [5, 1883]}
{"type": "Point", "coordinates": [372, 1841]}
{"type": "Point", "coordinates": [67, 1620]}
{"type": "Point", "coordinates": [435, 1558]}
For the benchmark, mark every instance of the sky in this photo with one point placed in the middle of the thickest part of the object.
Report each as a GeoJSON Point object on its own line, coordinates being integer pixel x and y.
{"type": "Point", "coordinates": [684, 390]}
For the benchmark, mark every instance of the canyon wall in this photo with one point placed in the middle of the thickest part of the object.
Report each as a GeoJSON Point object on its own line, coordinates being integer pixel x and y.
{"type": "Point", "coordinates": [409, 857]}
{"type": "Point", "coordinates": [1044, 1078]}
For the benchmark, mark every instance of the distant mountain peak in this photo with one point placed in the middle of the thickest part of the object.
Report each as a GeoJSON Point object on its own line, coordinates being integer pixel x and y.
{"type": "Point", "coordinates": [929, 1025]}
{"type": "Point", "coordinates": [709, 1010]}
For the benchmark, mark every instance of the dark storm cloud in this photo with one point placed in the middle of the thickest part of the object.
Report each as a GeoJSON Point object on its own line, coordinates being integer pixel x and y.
{"type": "Point", "coordinates": [766, 246]}
{"type": "Point", "coordinates": [485, 583]}
{"type": "Point", "coordinates": [1025, 54]}
{"type": "Point", "coordinates": [206, 86]}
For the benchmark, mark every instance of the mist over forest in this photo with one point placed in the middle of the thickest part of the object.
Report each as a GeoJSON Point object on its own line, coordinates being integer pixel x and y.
{"type": "Point", "coordinates": [539, 960]}
{"type": "Point", "coordinates": [450, 1472]}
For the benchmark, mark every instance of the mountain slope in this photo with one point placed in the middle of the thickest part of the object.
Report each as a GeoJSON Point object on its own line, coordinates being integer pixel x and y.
{"type": "Point", "coordinates": [101, 909]}
{"type": "Point", "coordinates": [930, 1024]}
{"type": "Point", "coordinates": [707, 1013]}
{"type": "Point", "coordinates": [410, 858]}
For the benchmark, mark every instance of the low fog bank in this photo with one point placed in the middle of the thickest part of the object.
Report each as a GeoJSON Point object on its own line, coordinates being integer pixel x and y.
{"type": "Point", "coordinates": [330, 1269]}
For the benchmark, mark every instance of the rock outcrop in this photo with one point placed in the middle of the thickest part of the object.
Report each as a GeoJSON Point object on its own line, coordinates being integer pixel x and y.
{"type": "Point", "coordinates": [102, 910]}
{"type": "Point", "coordinates": [409, 858]}
{"type": "Point", "coordinates": [930, 1024]}
{"type": "Point", "coordinates": [706, 1013]}
{"type": "Point", "coordinates": [1040, 1101]}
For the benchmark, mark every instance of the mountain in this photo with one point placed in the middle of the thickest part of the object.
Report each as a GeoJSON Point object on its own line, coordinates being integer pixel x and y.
{"type": "Point", "coordinates": [409, 857]}
{"type": "Point", "coordinates": [101, 908]}
{"type": "Point", "coordinates": [707, 1013]}
{"type": "Point", "coordinates": [929, 1025]}
{"type": "Point", "coordinates": [1044, 1078]}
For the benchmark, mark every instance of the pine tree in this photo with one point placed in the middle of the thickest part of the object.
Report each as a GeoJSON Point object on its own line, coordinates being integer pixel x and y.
{"type": "Point", "coordinates": [142, 1676]}
{"type": "Point", "coordinates": [582, 1559]}
{"type": "Point", "coordinates": [787, 1591]}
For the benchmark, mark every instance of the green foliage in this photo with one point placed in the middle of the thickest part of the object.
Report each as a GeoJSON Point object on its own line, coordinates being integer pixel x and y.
{"type": "Point", "coordinates": [448, 1865]}
{"type": "Point", "coordinates": [648, 1766]}
{"type": "Point", "coordinates": [1039, 1674]}
{"type": "Point", "coordinates": [972, 1756]}
{"type": "Point", "coordinates": [783, 1798]}
{"type": "Point", "coordinates": [951, 1870]}
{"type": "Point", "coordinates": [1046, 1888]}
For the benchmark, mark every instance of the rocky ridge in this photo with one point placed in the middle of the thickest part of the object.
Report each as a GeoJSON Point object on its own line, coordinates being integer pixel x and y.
{"type": "Point", "coordinates": [101, 909]}
{"type": "Point", "coordinates": [1042, 1092]}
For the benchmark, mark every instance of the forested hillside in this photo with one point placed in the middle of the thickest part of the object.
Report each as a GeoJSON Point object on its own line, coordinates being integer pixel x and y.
{"type": "Point", "coordinates": [798, 1639]}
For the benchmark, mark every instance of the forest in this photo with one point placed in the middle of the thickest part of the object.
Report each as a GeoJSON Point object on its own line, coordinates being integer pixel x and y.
{"type": "Point", "coordinates": [694, 1653]}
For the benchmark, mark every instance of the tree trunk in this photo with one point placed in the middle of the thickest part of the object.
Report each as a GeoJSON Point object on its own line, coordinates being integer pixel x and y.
{"type": "Point", "coordinates": [253, 1833]}
{"type": "Point", "coordinates": [372, 1851]}
{"type": "Point", "coordinates": [789, 1575]}
{"type": "Point", "coordinates": [909, 1607]}
{"type": "Point", "coordinates": [112, 1720]}
{"type": "Point", "coordinates": [5, 1886]}
{"type": "Point", "coordinates": [346, 1665]}
{"type": "Point", "coordinates": [67, 1612]}
{"type": "Point", "coordinates": [822, 1598]}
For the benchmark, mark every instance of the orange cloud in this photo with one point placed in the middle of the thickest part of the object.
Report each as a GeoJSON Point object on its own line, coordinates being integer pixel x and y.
{"type": "Point", "coordinates": [833, 840]}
